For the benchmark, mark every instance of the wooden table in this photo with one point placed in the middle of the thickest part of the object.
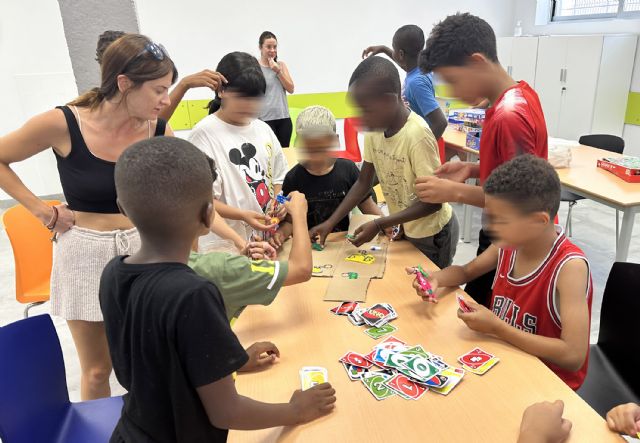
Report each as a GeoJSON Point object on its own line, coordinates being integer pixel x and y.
{"type": "Point", "coordinates": [484, 408]}
{"type": "Point", "coordinates": [584, 178]}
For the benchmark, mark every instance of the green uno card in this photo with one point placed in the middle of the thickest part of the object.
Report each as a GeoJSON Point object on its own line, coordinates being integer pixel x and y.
{"type": "Point", "coordinates": [377, 333]}
{"type": "Point", "coordinates": [375, 384]}
{"type": "Point", "coordinates": [422, 367]}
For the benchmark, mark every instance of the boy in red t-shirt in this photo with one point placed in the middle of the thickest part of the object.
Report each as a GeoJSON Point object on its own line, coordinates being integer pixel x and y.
{"type": "Point", "coordinates": [542, 290]}
{"type": "Point", "coordinates": [462, 51]}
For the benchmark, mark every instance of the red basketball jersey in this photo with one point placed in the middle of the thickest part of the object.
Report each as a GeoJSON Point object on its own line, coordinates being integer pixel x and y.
{"type": "Point", "coordinates": [529, 303]}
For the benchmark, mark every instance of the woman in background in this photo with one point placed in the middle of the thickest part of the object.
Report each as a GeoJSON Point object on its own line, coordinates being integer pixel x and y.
{"type": "Point", "coordinates": [275, 111]}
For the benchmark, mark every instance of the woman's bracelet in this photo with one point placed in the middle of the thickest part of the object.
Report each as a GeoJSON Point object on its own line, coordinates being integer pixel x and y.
{"type": "Point", "coordinates": [54, 219]}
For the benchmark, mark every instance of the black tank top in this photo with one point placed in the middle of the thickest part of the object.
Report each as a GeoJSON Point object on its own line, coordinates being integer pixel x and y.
{"type": "Point", "coordinates": [87, 181]}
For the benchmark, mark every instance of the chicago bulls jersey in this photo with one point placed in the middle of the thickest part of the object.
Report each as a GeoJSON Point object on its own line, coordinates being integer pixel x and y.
{"type": "Point", "coordinates": [530, 303]}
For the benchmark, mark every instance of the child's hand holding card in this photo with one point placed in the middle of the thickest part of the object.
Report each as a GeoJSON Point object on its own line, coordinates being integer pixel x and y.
{"type": "Point", "coordinates": [480, 318]}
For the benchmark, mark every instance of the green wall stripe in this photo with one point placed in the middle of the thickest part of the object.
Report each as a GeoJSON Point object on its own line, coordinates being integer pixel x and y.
{"type": "Point", "coordinates": [190, 112]}
{"type": "Point", "coordinates": [632, 116]}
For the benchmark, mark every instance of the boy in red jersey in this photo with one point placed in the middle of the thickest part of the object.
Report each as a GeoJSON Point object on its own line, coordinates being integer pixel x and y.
{"type": "Point", "coordinates": [462, 51]}
{"type": "Point", "coordinates": [541, 294]}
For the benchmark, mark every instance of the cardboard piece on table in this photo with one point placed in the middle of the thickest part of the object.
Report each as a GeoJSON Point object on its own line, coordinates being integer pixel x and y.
{"type": "Point", "coordinates": [343, 285]}
{"type": "Point", "coordinates": [324, 262]}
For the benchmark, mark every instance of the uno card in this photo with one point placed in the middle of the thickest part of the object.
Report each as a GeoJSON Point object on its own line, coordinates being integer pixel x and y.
{"type": "Point", "coordinates": [397, 360]}
{"type": "Point", "coordinates": [345, 308]}
{"type": "Point", "coordinates": [475, 358]}
{"type": "Point", "coordinates": [375, 383]}
{"type": "Point", "coordinates": [391, 343]}
{"type": "Point", "coordinates": [312, 375]}
{"type": "Point", "coordinates": [464, 307]}
{"type": "Point", "coordinates": [416, 351]}
{"type": "Point", "coordinates": [354, 372]}
{"type": "Point", "coordinates": [422, 368]}
{"type": "Point", "coordinates": [455, 377]}
{"type": "Point", "coordinates": [437, 381]}
{"type": "Point", "coordinates": [355, 359]}
{"type": "Point", "coordinates": [486, 366]}
{"type": "Point", "coordinates": [406, 387]}
{"type": "Point", "coordinates": [379, 314]}
{"type": "Point", "coordinates": [380, 332]}
{"type": "Point", "coordinates": [381, 355]}
{"type": "Point", "coordinates": [355, 317]}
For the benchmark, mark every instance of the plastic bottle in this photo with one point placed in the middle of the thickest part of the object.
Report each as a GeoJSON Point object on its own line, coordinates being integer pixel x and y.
{"type": "Point", "coordinates": [517, 32]}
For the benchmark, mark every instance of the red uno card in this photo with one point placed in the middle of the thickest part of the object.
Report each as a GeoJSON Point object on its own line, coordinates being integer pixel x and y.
{"type": "Point", "coordinates": [475, 358]}
{"type": "Point", "coordinates": [406, 387]}
{"type": "Point", "coordinates": [355, 359]}
{"type": "Point", "coordinates": [345, 308]}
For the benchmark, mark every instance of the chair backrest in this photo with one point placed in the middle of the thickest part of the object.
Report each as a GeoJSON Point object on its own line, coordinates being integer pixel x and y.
{"type": "Point", "coordinates": [611, 143]}
{"type": "Point", "coordinates": [32, 253]}
{"type": "Point", "coordinates": [33, 387]}
{"type": "Point", "coordinates": [352, 147]}
{"type": "Point", "coordinates": [619, 336]}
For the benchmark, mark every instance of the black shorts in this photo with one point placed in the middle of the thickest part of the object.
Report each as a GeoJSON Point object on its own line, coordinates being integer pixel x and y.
{"type": "Point", "coordinates": [282, 128]}
{"type": "Point", "coordinates": [480, 288]}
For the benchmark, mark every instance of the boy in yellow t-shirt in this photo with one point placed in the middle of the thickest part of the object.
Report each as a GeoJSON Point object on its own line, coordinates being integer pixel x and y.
{"type": "Point", "coordinates": [399, 148]}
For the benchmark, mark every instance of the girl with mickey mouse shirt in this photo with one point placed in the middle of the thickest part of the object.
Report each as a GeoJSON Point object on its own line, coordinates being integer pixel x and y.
{"type": "Point", "coordinates": [249, 160]}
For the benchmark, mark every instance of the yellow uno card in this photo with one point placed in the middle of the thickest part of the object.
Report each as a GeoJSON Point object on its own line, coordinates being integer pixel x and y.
{"type": "Point", "coordinates": [313, 375]}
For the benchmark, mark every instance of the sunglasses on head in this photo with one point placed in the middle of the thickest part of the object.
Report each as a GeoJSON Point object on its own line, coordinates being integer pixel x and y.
{"type": "Point", "coordinates": [155, 49]}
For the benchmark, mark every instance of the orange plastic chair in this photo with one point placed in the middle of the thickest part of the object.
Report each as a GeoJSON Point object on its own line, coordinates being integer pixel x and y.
{"type": "Point", "coordinates": [32, 253]}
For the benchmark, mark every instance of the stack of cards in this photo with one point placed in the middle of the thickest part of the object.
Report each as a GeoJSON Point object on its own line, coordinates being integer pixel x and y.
{"type": "Point", "coordinates": [376, 317]}
{"type": "Point", "coordinates": [478, 361]}
{"type": "Point", "coordinates": [406, 371]}
{"type": "Point", "coordinates": [312, 375]}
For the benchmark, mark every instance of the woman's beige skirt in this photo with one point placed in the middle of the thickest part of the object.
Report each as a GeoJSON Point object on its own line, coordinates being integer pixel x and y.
{"type": "Point", "coordinates": [79, 257]}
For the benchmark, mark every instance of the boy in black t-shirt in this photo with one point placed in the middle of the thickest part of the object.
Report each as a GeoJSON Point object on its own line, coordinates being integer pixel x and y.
{"type": "Point", "coordinates": [324, 180]}
{"type": "Point", "coordinates": [169, 340]}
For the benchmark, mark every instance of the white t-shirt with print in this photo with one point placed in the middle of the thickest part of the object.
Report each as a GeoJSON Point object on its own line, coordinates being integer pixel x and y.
{"type": "Point", "coordinates": [249, 162]}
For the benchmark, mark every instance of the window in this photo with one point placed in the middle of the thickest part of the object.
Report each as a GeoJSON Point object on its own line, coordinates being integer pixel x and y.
{"type": "Point", "coordinates": [586, 9]}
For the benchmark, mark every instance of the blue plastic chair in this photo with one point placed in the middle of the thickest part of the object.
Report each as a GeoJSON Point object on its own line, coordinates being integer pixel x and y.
{"type": "Point", "coordinates": [34, 401]}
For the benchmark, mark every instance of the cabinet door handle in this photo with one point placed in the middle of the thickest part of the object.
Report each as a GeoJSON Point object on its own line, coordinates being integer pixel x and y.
{"type": "Point", "coordinates": [565, 75]}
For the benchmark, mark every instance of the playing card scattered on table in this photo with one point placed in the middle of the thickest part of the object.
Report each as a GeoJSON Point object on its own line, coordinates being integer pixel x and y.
{"type": "Point", "coordinates": [478, 361]}
{"type": "Point", "coordinates": [376, 317]}
{"type": "Point", "coordinates": [394, 368]}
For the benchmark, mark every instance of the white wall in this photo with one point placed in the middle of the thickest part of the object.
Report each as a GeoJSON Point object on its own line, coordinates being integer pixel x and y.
{"type": "Point", "coordinates": [525, 10]}
{"type": "Point", "coordinates": [35, 75]}
{"type": "Point", "coordinates": [320, 41]}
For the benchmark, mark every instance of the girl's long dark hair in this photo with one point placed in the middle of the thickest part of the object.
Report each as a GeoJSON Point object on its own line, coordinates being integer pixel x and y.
{"type": "Point", "coordinates": [244, 75]}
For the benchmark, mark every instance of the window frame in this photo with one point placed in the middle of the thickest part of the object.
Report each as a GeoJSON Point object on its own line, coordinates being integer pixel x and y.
{"type": "Point", "coordinates": [621, 13]}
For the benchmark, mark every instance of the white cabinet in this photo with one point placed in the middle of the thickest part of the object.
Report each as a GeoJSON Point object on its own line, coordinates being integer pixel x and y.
{"type": "Point", "coordinates": [583, 82]}
{"type": "Point", "coordinates": [518, 55]}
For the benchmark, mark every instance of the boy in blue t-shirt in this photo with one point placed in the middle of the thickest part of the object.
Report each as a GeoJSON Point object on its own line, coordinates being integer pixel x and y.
{"type": "Point", "coordinates": [419, 93]}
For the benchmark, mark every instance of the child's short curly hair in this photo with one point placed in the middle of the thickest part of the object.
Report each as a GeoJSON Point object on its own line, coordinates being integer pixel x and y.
{"type": "Point", "coordinates": [528, 182]}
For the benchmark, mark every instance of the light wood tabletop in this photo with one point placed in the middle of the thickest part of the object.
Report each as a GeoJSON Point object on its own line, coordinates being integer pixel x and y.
{"type": "Point", "coordinates": [585, 177]}
{"type": "Point", "coordinates": [457, 140]}
{"type": "Point", "coordinates": [582, 177]}
{"type": "Point", "coordinates": [485, 408]}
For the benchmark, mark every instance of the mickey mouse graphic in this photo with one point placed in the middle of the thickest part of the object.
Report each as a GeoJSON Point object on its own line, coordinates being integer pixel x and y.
{"type": "Point", "coordinates": [252, 170]}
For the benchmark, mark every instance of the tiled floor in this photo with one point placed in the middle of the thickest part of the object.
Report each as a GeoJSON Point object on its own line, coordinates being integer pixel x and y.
{"type": "Point", "coordinates": [594, 232]}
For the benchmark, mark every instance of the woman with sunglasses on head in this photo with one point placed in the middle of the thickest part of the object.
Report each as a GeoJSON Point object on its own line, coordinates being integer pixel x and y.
{"type": "Point", "coordinates": [87, 137]}
{"type": "Point", "coordinates": [275, 110]}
